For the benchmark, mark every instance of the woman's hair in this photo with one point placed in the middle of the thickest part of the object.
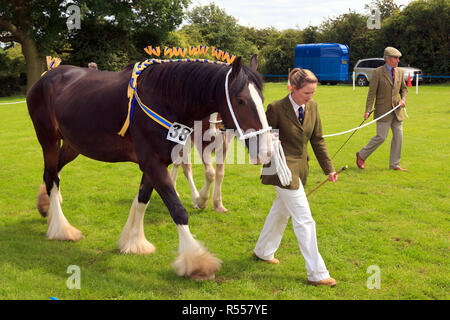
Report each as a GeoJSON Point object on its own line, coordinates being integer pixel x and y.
{"type": "Point", "coordinates": [299, 78]}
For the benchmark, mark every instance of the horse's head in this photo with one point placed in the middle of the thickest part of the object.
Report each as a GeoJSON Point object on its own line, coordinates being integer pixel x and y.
{"type": "Point", "coordinates": [244, 110]}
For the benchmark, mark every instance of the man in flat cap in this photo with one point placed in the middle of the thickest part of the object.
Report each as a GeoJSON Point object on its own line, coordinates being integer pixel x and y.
{"type": "Point", "coordinates": [386, 85]}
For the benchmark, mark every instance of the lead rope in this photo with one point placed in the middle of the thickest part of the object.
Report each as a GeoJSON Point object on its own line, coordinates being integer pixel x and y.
{"type": "Point", "coordinates": [380, 117]}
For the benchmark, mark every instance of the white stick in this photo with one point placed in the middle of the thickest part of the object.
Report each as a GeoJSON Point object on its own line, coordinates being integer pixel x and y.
{"type": "Point", "coordinates": [417, 84]}
{"type": "Point", "coordinates": [354, 78]}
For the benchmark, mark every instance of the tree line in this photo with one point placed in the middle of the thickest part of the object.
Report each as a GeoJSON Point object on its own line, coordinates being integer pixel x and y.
{"type": "Point", "coordinates": [114, 33]}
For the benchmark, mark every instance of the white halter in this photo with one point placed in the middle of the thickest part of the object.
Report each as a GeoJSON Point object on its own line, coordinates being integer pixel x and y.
{"type": "Point", "coordinates": [242, 136]}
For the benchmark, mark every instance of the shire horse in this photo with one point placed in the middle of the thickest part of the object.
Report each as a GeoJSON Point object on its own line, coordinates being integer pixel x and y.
{"type": "Point", "coordinates": [85, 109]}
{"type": "Point", "coordinates": [213, 139]}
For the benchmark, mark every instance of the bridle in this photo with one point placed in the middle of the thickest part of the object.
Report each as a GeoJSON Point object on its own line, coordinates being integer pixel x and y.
{"type": "Point", "coordinates": [242, 136]}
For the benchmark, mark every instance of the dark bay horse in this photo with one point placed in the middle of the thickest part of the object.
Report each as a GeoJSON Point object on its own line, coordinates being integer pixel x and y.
{"type": "Point", "coordinates": [85, 109]}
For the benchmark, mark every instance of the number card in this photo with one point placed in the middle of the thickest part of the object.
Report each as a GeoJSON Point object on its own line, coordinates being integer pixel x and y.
{"type": "Point", "coordinates": [179, 133]}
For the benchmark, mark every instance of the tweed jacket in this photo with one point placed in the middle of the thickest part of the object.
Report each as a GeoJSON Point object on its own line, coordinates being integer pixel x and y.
{"type": "Point", "coordinates": [294, 138]}
{"type": "Point", "coordinates": [385, 93]}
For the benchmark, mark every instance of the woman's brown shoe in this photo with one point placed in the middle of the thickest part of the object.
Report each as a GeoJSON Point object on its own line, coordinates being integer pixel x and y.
{"type": "Point", "coordinates": [325, 282]}
{"type": "Point", "coordinates": [271, 261]}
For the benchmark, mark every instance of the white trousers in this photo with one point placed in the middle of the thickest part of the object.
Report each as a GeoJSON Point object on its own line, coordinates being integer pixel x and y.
{"type": "Point", "coordinates": [292, 203]}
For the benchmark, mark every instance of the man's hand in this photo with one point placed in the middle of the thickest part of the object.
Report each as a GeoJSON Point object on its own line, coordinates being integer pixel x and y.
{"type": "Point", "coordinates": [366, 115]}
{"type": "Point", "coordinates": [332, 176]}
{"type": "Point", "coordinates": [402, 103]}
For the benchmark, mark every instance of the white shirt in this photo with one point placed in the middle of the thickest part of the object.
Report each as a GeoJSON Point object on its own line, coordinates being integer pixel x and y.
{"type": "Point", "coordinates": [296, 106]}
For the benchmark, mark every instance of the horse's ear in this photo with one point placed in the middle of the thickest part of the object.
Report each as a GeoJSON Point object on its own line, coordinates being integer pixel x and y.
{"type": "Point", "coordinates": [254, 62]}
{"type": "Point", "coordinates": [236, 67]}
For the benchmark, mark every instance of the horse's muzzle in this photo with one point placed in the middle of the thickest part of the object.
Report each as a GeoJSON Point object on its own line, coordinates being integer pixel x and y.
{"type": "Point", "coordinates": [264, 149]}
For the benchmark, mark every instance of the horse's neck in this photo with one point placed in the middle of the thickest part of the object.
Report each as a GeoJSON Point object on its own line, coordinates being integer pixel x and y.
{"type": "Point", "coordinates": [200, 111]}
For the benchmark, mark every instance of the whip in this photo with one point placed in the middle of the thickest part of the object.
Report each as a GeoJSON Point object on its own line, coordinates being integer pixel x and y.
{"type": "Point", "coordinates": [323, 182]}
{"type": "Point", "coordinates": [351, 135]}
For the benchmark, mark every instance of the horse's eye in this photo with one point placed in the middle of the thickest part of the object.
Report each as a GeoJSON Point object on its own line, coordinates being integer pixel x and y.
{"type": "Point", "coordinates": [240, 102]}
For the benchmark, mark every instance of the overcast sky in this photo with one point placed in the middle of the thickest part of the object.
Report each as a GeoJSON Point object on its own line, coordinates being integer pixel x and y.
{"type": "Point", "coordinates": [284, 14]}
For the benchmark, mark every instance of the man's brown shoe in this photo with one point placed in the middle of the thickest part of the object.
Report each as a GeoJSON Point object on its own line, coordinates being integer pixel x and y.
{"type": "Point", "coordinates": [271, 261]}
{"type": "Point", "coordinates": [360, 162]}
{"type": "Point", "coordinates": [400, 169]}
{"type": "Point", "coordinates": [325, 282]}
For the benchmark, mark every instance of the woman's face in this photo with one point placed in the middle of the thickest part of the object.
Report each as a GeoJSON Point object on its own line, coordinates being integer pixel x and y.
{"type": "Point", "coordinates": [304, 94]}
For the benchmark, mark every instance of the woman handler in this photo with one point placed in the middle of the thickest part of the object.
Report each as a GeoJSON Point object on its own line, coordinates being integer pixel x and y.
{"type": "Point", "coordinates": [296, 117]}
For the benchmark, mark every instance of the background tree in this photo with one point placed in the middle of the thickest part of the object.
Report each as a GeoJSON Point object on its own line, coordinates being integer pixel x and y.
{"type": "Point", "coordinates": [212, 26]}
{"type": "Point", "coordinates": [40, 27]}
{"type": "Point", "coordinates": [421, 32]}
{"type": "Point", "coordinates": [35, 25]}
{"type": "Point", "coordinates": [278, 55]}
{"type": "Point", "coordinates": [387, 8]}
{"type": "Point", "coordinates": [311, 34]}
{"type": "Point", "coordinates": [349, 29]}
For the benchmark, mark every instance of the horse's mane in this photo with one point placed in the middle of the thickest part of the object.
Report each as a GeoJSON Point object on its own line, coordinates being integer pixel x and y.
{"type": "Point", "coordinates": [193, 83]}
{"type": "Point", "coordinates": [128, 67]}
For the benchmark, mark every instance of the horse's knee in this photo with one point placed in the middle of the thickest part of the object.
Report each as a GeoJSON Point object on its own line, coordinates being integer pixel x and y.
{"type": "Point", "coordinates": [210, 173]}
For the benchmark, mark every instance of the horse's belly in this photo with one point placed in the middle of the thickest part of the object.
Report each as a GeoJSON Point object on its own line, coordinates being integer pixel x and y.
{"type": "Point", "coordinates": [101, 147]}
{"type": "Point", "coordinates": [96, 140]}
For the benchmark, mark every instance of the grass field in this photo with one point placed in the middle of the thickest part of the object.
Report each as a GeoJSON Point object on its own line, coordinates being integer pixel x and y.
{"type": "Point", "coordinates": [398, 222]}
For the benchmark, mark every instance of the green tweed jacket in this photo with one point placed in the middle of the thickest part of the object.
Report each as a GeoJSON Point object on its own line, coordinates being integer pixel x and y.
{"type": "Point", "coordinates": [294, 138]}
{"type": "Point", "coordinates": [385, 93]}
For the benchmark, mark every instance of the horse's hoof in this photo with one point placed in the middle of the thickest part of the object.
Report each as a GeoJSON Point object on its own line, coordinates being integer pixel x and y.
{"type": "Point", "coordinates": [202, 277]}
{"type": "Point", "coordinates": [201, 203]}
{"type": "Point", "coordinates": [66, 233]}
{"type": "Point", "coordinates": [142, 247]}
{"type": "Point", "coordinates": [198, 265]}
{"type": "Point", "coordinates": [220, 208]}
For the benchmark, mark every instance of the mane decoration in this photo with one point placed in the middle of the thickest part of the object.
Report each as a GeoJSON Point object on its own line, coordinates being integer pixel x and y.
{"type": "Point", "coordinates": [190, 51]}
{"type": "Point", "coordinates": [52, 63]}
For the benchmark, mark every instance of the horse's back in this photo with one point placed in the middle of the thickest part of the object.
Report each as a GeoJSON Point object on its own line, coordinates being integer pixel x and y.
{"type": "Point", "coordinates": [87, 107]}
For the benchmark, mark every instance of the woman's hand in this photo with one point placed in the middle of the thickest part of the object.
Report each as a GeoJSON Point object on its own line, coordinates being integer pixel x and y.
{"type": "Point", "coordinates": [274, 136]}
{"type": "Point", "coordinates": [332, 176]}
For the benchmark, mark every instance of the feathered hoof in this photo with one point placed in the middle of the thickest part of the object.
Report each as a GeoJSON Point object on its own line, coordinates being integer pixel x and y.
{"type": "Point", "coordinates": [140, 247]}
{"type": "Point", "coordinates": [200, 203]}
{"type": "Point", "coordinates": [43, 201]}
{"type": "Point", "coordinates": [66, 233]}
{"type": "Point", "coordinates": [199, 265]}
{"type": "Point", "coordinates": [218, 207]}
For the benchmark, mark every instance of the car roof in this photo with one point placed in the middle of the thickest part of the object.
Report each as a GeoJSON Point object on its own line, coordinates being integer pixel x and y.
{"type": "Point", "coordinates": [370, 59]}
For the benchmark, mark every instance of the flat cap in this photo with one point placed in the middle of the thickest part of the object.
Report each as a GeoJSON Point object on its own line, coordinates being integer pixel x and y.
{"type": "Point", "coordinates": [392, 52]}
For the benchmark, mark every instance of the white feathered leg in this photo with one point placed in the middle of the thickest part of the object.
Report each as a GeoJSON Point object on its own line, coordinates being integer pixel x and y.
{"type": "Point", "coordinates": [194, 260]}
{"type": "Point", "coordinates": [58, 226]}
{"type": "Point", "coordinates": [133, 238]}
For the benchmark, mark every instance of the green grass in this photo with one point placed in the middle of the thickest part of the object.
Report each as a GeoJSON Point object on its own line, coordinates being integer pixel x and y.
{"type": "Point", "coordinates": [396, 221]}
